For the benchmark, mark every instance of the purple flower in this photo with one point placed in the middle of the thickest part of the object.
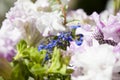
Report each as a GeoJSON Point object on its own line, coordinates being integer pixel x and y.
{"type": "Point", "coordinates": [7, 49]}
{"type": "Point", "coordinates": [110, 27]}
{"type": "Point", "coordinates": [9, 36]}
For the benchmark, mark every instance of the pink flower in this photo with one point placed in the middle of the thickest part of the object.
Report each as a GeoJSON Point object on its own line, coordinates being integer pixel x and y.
{"type": "Point", "coordinates": [110, 29]}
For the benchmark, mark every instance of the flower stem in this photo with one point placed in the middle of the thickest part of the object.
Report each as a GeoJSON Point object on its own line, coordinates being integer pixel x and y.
{"type": "Point", "coordinates": [63, 11]}
{"type": "Point", "coordinates": [116, 6]}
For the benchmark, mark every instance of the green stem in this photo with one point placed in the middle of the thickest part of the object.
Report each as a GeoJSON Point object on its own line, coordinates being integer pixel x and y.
{"type": "Point", "coordinates": [116, 6]}
{"type": "Point", "coordinates": [37, 78]}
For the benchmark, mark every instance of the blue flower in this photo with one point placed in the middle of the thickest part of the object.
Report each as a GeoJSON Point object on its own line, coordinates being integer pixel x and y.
{"type": "Point", "coordinates": [47, 57]}
{"type": "Point", "coordinates": [61, 41]}
{"type": "Point", "coordinates": [80, 35]}
{"type": "Point", "coordinates": [79, 41]}
{"type": "Point", "coordinates": [75, 26]}
{"type": "Point", "coordinates": [51, 45]}
{"type": "Point", "coordinates": [40, 47]}
{"type": "Point", "coordinates": [65, 36]}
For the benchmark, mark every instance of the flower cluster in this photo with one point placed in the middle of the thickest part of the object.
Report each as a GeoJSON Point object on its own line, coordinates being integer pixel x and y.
{"type": "Point", "coordinates": [42, 41]}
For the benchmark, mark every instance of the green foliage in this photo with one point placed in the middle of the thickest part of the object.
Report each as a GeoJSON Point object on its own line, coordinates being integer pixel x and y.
{"type": "Point", "coordinates": [21, 46]}
{"type": "Point", "coordinates": [20, 71]}
{"type": "Point", "coordinates": [57, 65]}
{"type": "Point", "coordinates": [27, 62]}
{"type": "Point", "coordinates": [31, 63]}
{"type": "Point", "coordinates": [1, 78]}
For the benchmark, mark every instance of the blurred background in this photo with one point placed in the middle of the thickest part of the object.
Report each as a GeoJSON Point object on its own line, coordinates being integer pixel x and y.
{"type": "Point", "coordinates": [4, 7]}
{"type": "Point", "coordinates": [88, 5]}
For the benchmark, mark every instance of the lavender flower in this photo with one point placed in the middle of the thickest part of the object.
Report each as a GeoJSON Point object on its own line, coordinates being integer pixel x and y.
{"type": "Point", "coordinates": [7, 45]}
{"type": "Point", "coordinates": [109, 28]}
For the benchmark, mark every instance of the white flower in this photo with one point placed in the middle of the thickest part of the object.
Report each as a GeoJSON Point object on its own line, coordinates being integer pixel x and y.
{"type": "Point", "coordinates": [116, 69]}
{"type": "Point", "coordinates": [49, 23]}
{"type": "Point", "coordinates": [42, 3]}
{"type": "Point", "coordinates": [9, 37]}
{"type": "Point", "coordinates": [21, 17]}
{"type": "Point", "coordinates": [78, 15]}
{"type": "Point", "coordinates": [95, 63]}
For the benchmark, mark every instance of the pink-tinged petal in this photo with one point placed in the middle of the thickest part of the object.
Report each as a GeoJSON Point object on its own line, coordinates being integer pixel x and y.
{"type": "Point", "coordinates": [109, 28]}
{"type": "Point", "coordinates": [9, 37]}
{"type": "Point", "coordinates": [96, 18]}
{"type": "Point", "coordinates": [117, 48]}
{"type": "Point", "coordinates": [7, 50]}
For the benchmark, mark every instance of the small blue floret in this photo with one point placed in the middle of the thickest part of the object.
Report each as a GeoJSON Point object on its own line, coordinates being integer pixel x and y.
{"type": "Point", "coordinates": [75, 27]}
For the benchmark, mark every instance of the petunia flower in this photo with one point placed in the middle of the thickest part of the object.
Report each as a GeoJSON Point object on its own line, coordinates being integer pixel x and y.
{"type": "Point", "coordinates": [9, 37]}
{"type": "Point", "coordinates": [13, 28]}
{"type": "Point", "coordinates": [93, 65]}
{"type": "Point", "coordinates": [49, 23]}
{"type": "Point", "coordinates": [42, 3]}
{"type": "Point", "coordinates": [78, 15]}
{"type": "Point", "coordinates": [21, 16]}
{"type": "Point", "coordinates": [110, 26]}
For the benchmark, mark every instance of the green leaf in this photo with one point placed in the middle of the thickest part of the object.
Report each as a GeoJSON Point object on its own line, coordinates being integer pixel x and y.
{"type": "Point", "coordinates": [37, 69]}
{"type": "Point", "coordinates": [37, 56]}
{"type": "Point", "coordinates": [21, 46]}
{"type": "Point", "coordinates": [29, 52]}
{"type": "Point", "coordinates": [69, 71]}
{"type": "Point", "coordinates": [66, 60]}
{"type": "Point", "coordinates": [57, 66]}
{"type": "Point", "coordinates": [20, 71]}
{"type": "Point", "coordinates": [28, 62]}
{"type": "Point", "coordinates": [17, 73]}
{"type": "Point", "coordinates": [34, 55]}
